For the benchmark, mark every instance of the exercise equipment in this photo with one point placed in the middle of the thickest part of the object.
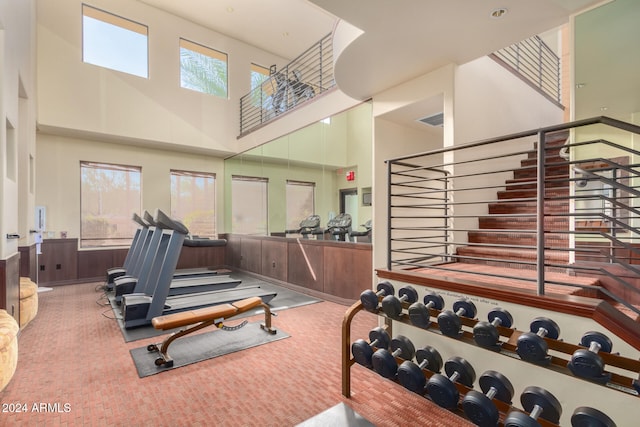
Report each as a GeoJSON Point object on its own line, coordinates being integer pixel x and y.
{"type": "Point", "coordinates": [384, 361]}
{"type": "Point", "coordinates": [133, 254]}
{"type": "Point", "coordinates": [531, 346]}
{"type": "Point", "coordinates": [419, 314]}
{"type": "Point", "coordinates": [198, 319]}
{"type": "Point", "coordinates": [369, 299]}
{"type": "Point", "coordinates": [585, 416]}
{"type": "Point", "coordinates": [479, 407]}
{"type": "Point", "coordinates": [392, 305]}
{"type": "Point", "coordinates": [365, 234]}
{"type": "Point", "coordinates": [184, 281]}
{"type": "Point", "coordinates": [410, 375]}
{"type": "Point", "coordinates": [140, 309]}
{"type": "Point", "coordinates": [308, 226]}
{"type": "Point", "coordinates": [586, 362]}
{"type": "Point", "coordinates": [449, 321]}
{"type": "Point", "coordinates": [486, 334]}
{"type": "Point", "coordinates": [363, 351]}
{"type": "Point", "coordinates": [339, 227]}
{"type": "Point", "coordinates": [442, 389]}
{"type": "Point", "coordinates": [539, 403]}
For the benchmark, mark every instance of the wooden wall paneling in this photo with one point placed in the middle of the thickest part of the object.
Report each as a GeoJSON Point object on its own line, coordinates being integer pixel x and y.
{"type": "Point", "coordinates": [94, 263]}
{"type": "Point", "coordinates": [251, 255]}
{"type": "Point", "coordinates": [58, 262]}
{"type": "Point", "coordinates": [28, 261]}
{"type": "Point", "coordinates": [201, 256]}
{"type": "Point", "coordinates": [305, 265]}
{"type": "Point", "coordinates": [233, 251]}
{"type": "Point", "coordinates": [10, 285]}
{"type": "Point", "coordinates": [275, 259]}
{"type": "Point", "coordinates": [347, 271]}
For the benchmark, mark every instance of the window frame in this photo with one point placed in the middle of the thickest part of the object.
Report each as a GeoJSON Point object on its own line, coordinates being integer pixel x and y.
{"type": "Point", "coordinates": [210, 53]}
{"type": "Point", "coordinates": [88, 11]}
{"type": "Point", "coordinates": [264, 207]}
{"type": "Point", "coordinates": [130, 225]}
{"type": "Point", "coordinates": [185, 221]}
{"type": "Point", "coordinates": [289, 184]}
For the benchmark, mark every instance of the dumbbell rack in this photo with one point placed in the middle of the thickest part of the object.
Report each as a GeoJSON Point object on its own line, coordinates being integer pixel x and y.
{"type": "Point", "coordinates": [508, 348]}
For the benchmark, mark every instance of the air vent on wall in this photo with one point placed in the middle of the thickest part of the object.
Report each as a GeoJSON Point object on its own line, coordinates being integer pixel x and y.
{"type": "Point", "coordinates": [435, 120]}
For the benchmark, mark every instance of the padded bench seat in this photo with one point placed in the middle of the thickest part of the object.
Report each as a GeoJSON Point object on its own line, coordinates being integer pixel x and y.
{"type": "Point", "coordinates": [190, 317]}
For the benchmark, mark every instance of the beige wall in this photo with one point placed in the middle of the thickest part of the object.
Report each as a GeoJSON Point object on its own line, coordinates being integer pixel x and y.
{"type": "Point", "coordinates": [58, 168]}
{"type": "Point", "coordinates": [17, 122]}
{"type": "Point", "coordinates": [88, 98]}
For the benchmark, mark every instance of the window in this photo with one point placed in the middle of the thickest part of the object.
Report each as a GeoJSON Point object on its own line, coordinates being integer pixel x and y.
{"type": "Point", "coordinates": [114, 42]}
{"type": "Point", "coordinates": [109, 195]}
{"type": "Point", "coordinates": [193, 201]}
{"type": "Point", "coordinates": [203, 69]}
{"type": "Point", "coordinates": [300, 202]}
{"type": "Point", "coordinates": [249, 205]}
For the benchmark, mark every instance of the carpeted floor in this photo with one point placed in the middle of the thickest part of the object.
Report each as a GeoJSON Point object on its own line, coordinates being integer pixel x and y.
{"type": "Point", "coordinates": [74, 364]}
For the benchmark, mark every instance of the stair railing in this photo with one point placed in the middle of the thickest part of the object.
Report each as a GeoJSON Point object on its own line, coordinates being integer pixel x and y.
{"type": "Point", "coordinates": [307, 76]}
{"type": "Point", "coordinates": [515, 203]}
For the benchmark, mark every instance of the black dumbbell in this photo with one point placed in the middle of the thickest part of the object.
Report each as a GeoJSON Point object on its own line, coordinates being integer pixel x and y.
{"type": "Point", "coordinates": [384, 361]}
{"type": "Point", "coordinates": [479, 407]}
{"type": "Point", "coordinates": [411, 376]}
{"type": "Point", "coordinates": [540, 404]}
{"type": "Point", "coordinates": [486, 334]}
{"type": "Point", "coordinates": [419, 312]}
{"type": "Point", "coordinates": [392, 305]}
{"type": "Point", "coordinates": [369, 298]}
{"type": "Point", "coordinates": [443, 390]}
{"type": "Point", "coordinates": [363, 351]}
{"type": "Point", "coordinates": [531, 346]}
{"type": "Point", "coordinates": [585, 416]}
{"type": "Point", "coordinates": [449, 321]}
{"type": "Point", "coordinates": [586, 362]}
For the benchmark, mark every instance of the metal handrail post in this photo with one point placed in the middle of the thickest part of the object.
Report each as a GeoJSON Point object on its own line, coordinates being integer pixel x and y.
{"type": "Point", "coordinates": [540, 213]}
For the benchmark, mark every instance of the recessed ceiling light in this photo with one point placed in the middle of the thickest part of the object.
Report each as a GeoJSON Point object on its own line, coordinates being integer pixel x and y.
{"type": "Point", "coordinates": [230, 9]}
{"type": "Point", "coordinates": [580, 85]}
{"type": "Point", "coordinates": [604, 108]}
{"type": "Point", "coordinates": [499, 13]}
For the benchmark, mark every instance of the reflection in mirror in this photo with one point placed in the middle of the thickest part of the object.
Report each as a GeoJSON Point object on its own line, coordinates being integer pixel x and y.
{"type": "Point", "coordinates": [271, 189]}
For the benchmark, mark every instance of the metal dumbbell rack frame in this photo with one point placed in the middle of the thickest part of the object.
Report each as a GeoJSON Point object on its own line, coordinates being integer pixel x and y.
{"type": "Point", "coordinates": [625, 384]}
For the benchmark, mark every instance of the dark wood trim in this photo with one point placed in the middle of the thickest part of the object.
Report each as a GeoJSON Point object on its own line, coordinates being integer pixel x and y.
{"type": "Point", "coordinates": [10, 285]}
{"type": "Point", "coordinates": [599, 310]}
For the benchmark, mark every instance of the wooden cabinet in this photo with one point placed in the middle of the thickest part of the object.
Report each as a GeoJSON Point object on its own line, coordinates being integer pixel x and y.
{"type": "Point", "coordinates": [58, 262]}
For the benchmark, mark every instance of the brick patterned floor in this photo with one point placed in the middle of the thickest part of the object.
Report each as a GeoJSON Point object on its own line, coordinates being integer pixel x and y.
{"type": "Point", "coordinates": [72, 357]}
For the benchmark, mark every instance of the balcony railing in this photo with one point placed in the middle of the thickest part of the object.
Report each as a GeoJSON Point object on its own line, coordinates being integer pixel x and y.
{"type": "Point", "coordinates": [547, 207]}
{"type": "Point", "coordinates": [307, 76]}
{"type": "Point", "coordinates": [534, 62]}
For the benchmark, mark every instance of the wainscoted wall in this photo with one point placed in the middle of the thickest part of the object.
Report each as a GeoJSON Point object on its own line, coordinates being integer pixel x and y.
{"type": "Point", "coordinates": [339, 269]}
{"type": "Point", "coordinates": [10, 285]}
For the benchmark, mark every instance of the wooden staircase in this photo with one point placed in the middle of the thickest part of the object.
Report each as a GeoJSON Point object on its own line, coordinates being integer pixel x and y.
{"type": "Point", "coordinates": [507, 235]}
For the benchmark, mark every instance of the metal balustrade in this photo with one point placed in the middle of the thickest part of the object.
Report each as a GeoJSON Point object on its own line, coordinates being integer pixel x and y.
{"type": "Point", "coordinates": [304, 78]}
{"type": "Point", "coordinates": [554, 202]}
{"type": "Point", "coordinates": [536, 63]}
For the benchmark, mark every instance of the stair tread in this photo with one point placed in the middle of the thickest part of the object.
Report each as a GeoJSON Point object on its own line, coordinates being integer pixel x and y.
{"type": "Point", "coordinates": [514, 278]}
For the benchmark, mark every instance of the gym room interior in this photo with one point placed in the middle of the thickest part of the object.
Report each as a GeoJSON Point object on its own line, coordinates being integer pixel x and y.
{"type": "Point", "coordinates": [319, 212]}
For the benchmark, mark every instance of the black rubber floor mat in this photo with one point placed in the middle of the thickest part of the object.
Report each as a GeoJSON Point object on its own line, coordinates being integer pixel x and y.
{"type": "Point", "coordinates": [199, 347]}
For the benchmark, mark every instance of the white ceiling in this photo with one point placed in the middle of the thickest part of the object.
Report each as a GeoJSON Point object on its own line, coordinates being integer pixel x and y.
{"type": "Point", "coordinates": [284, 27]}
{"type": "Point", "coordinates": [401, 39]}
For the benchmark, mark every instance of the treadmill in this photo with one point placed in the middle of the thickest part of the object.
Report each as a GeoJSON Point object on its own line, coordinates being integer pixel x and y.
{"type": "Point", "coordinates": [138, 309]}
{"type": "Point", "coordinates": [133, 255]}
{"type": "Point", "coordinates": [184, 281]}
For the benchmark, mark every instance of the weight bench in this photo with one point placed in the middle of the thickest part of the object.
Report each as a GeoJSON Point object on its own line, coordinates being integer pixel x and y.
{"type": "Point", "coordinates": [201, 318]}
